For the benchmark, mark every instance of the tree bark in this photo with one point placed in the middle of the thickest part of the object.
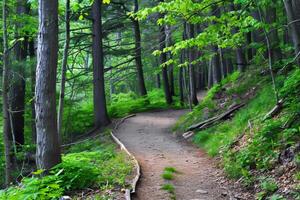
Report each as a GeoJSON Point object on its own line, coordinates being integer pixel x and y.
{"type": "Point", "coordinates": [163, 59]}
{"type": "Point", "coordinates": [6, 122]}
{"type": "Point", "coordinates": [271, 18]}
{"type": "Point", "coordinates": [100, 110]}
{"type": "Point", "coordinates": [48, 147]}
{"type": "Point", "coordinates": [138, 53]}
{"type": "Point", "coordinates": [64, 70]}
{"type": "Point", "coordinates": [240, 54]}
{"type": "Point", "coordinates": [180, 80]}
{"type": "Point", "coordinates": [171, 67]}
{"type": "Point", "coordinates": [292, 8]}
{"type": "Point", "coordinates": [192, 58]}
{"type": "Point", "coordinates": [32, 73]}
{"type": "Point", "coordinates": [17, 92]}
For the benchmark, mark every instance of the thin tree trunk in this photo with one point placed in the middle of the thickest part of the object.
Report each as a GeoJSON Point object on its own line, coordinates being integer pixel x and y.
{"type": "Point", "coordinates": [32, 74]}
{"type": "Point", "coordinates": [100, 110]}
{"type": "Point", "coordinates": [240, 54]}
{"type": "Point", "coordinates": [64, 70]}
{"type": "Point", "coordinates": [180, 80]}
{"type": "Point", "coordinates": [48, 147]}
{"type": "Point", "coordinates": [276, 52]}
{"type": "Point", "coordinates": [6, 124]}
{"type": "Point", "coordinates": [163, 59]}
{"type": "Point", "coordinates": [292, 8]}
{"type": "Point", "coordinates": [171, 67]}
{"type": "Point", "coordinates": [192, 58]}
{"type": "Point", "coordinates": [17, 92]}
{"type": "Point", "coordinates": [138, 53]}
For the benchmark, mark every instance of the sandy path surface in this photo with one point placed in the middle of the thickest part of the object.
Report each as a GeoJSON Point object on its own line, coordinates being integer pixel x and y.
{"type": "Point", "coordinates": [149, 138]}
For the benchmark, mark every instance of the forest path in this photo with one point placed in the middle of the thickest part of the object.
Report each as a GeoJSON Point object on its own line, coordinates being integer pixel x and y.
{"type": "Point", "coordinates": [148, 136]}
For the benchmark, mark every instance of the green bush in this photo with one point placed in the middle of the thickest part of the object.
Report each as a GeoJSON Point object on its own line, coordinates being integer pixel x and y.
{"type": "Point", "coordinates": [87, 164]}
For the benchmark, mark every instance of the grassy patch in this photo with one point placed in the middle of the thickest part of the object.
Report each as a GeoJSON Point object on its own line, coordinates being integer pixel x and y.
{"type": "Point", "coordinates": [124, 104]}
{"type": "Point", "coordinates": [169, 188]}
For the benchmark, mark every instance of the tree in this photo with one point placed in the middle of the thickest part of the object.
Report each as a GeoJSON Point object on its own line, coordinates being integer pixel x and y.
{"type": "Point", "coordinates": [64, 70]}
{"type": "Point", "coordinates": [100, 111]}
{"type": "Point", "coordinates": [17, 92]}
{"type": "Point", "coordinates": [163, 59]}
{"type": "Point", "coordinates": [48, 147]}
{"type": "Point", "coordinates": [6, 123]}
{"type": "Point", "coordinates": [138, 52]}
{"type": "Point", "coordinates": [192, 58]}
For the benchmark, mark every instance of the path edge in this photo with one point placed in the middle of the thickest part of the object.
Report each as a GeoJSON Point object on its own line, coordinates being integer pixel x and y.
{"type": "Point", "coordinates": [128, 192]}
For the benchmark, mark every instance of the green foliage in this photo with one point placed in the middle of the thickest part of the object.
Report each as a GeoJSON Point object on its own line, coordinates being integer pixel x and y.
{"type": "Point", "coordinates": [169, 188]}
{"type": "Point", "coordinates": [123, 104]}
{"type": "Point", "coordinates": [171, 170]}
{"type": "Point", "coordinates": [88, 164]}
{"type": "Point", "coordinates": [290, 91]}
{"type": "Point", "coordinates": [167, 175]}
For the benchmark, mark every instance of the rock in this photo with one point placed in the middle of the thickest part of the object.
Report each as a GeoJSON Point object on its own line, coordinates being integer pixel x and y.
{"type": "Point", "coordinates": [202, 191]}
{"type": "Point", "coordinates": [65, 198]}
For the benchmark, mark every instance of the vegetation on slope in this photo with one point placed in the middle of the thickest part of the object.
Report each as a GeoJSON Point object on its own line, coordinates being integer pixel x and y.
{"type": "Point", "coordinates": [263, 154]}
{"type": "Point", "coordinates": [94, 164]}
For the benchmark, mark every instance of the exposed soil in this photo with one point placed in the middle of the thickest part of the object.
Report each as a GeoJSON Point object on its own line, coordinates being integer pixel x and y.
{"type": "Point", "coordinates": [148, 136]}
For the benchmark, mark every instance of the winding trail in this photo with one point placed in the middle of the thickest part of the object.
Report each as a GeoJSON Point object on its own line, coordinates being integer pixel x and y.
{"type": "Point", "coordinates": [148, 136]}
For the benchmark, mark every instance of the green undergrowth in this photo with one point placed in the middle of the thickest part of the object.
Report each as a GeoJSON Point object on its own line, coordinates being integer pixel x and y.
{"type": "Point", "coordinates": [247, 144]}
{"type": "Point", "coordinates": [94, 164]}
{"type": "Point", "coordinates": [123, 104]}
{"type": "Point", "coordinates": [168, 175]}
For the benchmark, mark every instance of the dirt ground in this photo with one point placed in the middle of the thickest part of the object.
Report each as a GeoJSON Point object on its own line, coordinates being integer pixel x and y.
{"type": "Point", "coordinates": [148, 136]}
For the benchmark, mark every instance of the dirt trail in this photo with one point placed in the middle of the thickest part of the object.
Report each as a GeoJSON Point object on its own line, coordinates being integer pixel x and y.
{"type": "Point", "coordinates": [148, 137]}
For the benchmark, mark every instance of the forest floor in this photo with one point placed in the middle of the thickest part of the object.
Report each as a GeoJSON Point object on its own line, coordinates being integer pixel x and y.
{"type": "Point", "coordinates": [148, 136]}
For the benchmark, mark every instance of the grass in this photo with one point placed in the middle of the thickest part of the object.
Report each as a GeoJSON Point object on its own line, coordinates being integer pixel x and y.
{"type": "Point", "coordinates": [169, 188]}
{"type": "Point", "coordinates": [263, 141]}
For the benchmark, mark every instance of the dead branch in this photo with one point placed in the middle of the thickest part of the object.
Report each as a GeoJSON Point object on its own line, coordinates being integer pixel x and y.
{"type": "Point", "coordinates": [211, 121]}
{"type": "Point", "coordinates": [275, 110]}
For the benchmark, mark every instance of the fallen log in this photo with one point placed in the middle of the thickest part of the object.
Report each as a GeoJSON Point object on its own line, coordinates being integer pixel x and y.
{"type": "Point", "coordinates": [211, 121]}
{"type": "Point", "coordinates": [275, 110]}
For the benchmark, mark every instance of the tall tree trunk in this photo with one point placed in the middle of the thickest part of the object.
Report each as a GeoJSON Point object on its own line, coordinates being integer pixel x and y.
{"type": "Point", "coordinates": [17, 92]}
{"type": "Point", "coordinates": [240, 53]}
{"type": "Point", "coordinates": [192, 58]}
{"type": "Point", "coordinates": [271, 18]}
{"type": "Point", "coordinates": [180, 80]}
{"type": "Point", "coordinates": [163, 59]}
{"type": "Point", "coordinates": [138, 53]}
{"type": "Point", "coordinates": [100, 110]}
{"type": "Point", "coordinates": [32, 75]}
{"type": "Point", "coordinates": [292, 8]}
{"type": "Point", "coordinates": [48, 147]}
{"type": "Point", "coordinates": [6, 122]}
{"type": "Point", "coordinates": [171, 67]}
{"type": "Point", "coordinates": [64, 70]}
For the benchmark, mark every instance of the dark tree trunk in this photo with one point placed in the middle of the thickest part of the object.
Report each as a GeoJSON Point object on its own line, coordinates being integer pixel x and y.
{"type": "Point", "coordinates": [292, 8]}
{"type": "Point", "coordinates": [138, 53]}
{"type": "Point", "coordinates": [240, 54]}
{"type": "Point", "coordinates": [210, 75]}
{"type": "Point", "coordinates": [17, 93]}
{"type": "Point", "coordinates": [32, 73]}
{"type": "Point", "coordinates": [100, 110]}
{"type": "Point", "coordinates": [171, 67]}
{"type": "Point", "coordinates": [5, 105]}
{"type": "Point", "coordinates": [271, 17]}
{"type": "Point", "coordinates": [48, 147]}
{"type": "Point", "coordinates": [249, 50]}
{"type": "Point", "coordinates": [180, 80]}
{"type": "Point", "coordinates": [192, 58]}
{"type": "Point", "coordinates": [64, 70]}
{"type": "Point", "coordinates": [163, 59]}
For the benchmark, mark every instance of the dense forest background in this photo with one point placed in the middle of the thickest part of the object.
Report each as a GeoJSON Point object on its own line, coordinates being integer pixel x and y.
{"type": "Point", "coordinates": [71, 67]}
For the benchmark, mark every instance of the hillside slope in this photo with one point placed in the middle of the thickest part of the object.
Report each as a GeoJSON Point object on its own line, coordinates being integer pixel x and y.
{"type": "Point", "coordinates": [258, 150]}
